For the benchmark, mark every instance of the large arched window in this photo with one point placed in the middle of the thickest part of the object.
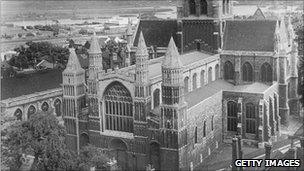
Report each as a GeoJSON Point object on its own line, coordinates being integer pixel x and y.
{"type": "Point", "coordinates": [192, 7]}
{"type": "Point", "coordinates": [18, 114]}
{"type": "Point", "coordinates": [45, 106]}
{"type": "Point", "coordinates": [194, 78]}
{"type": "Point", "coordinates": [228, 71]}
{"type": "Point", "coordinates": [204, 7]}
{"type": "Point", "coordinates": [186, 84]}
{"type": "Point", "coordinates": [247, 72]}
{"type": "Point", "coordinates": [57, 105]}
{"type": "Point", "coordinates": [266, 73]}
{"type": "Point", "coordinates": [30, 111]}
{"type": "Point", "coordinates": [156, 98]}
{"type": "Point", "coordinates": [118, 104]}
{"type": "Point", "coordinates": [217, 72]}
{"type": "Point", "coordinates": [210, 75]}
{"type": "Point", "coordinates": [232, 116]}
{"type": "Point", "coordinates": [202, 78]}
{"type": "Point", "coordinates": [250, 118]}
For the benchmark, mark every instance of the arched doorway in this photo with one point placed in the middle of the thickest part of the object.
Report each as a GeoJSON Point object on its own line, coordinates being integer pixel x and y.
{"type": "Point", "coordinates": [194, 78]}
{"type": "Point", "coordinates": [155, 155]}
{"type": "Point", "coordinates": [18, 114]}
{"type": "Point", "coordinates": [202, 78]}
{"type": "Point", "coordinates": [118, 149]}
{"type": "Point", "coordinates": [30, 111]}
{"type": "Point", "coordinates": [84, 139]}
{"type": "Point", "coordinates": [57, 105]}
{"type": "Point", "coordinates": [210, 75]}
{"type": "Point", "coordinates": [118, 105]}
{"type": "Point", "coordinates": [156, 98]}
{"type": "Point", "coordinates": [45, 106]}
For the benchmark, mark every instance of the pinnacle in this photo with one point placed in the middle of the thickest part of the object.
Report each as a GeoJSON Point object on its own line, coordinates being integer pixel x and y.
{"type": "Point", "coordinates": [171, 59]}
{"type": "Point", "coordinates": [141, 47]}
{"type": "Point", "coordinates": [94, 47]}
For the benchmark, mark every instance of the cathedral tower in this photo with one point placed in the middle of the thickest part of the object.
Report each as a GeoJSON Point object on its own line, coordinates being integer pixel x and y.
{"type": "Point", "coordinates": [95, 67]}
{"type": "Point", "coordinates": [73, 98]}
{"type": "Point", "coordinates": [142, 102]}
{"type": "Point", "coordinates": [173, 108]}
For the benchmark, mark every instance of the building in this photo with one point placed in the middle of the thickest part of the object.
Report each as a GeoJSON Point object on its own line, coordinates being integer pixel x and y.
{"type": "Point", "coordinates": [218, 77]}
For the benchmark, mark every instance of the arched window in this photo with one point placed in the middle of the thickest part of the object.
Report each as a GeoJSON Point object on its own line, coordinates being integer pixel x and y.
{"type": "Point", "coordinates": [202, 78]}
{"type": "Point", "coordinates": [45, 106]}
{"type": "Point", "coordinates": [204, 129]}
{"type": "Point", "coordinates": [195, 135]}
{"type": "Point", "coordinates": [212, 122]}
{"type": "Point", "coordinates": [250, 118]}
{"type": "Point", "coordinates": [156, 98]}
{"type": "Point", "coordinates": [210, 75]}
{"type": "Point", "coordinates": [57, 105]}
{"type": "Point", "coordinates": [18, 114]}
{"type": "Point", "coordinates": [186, 84]}
{"type": "Point", "coordinates": [117, 119]}
{"type": "Point", "coordinates": [228, 71]}
{"type": "Point", "coordinates": [30, 111]}
{"type": "Point", "coordinates": [84, 139]}
{"type": "Point", "coordinates": [192, 7]}
{"type": "Point", "coordinates": [194, 78]}
{"type": "Point", "coordinates": [204, 6]}
{"type": "Point", "coordinates": [217, 72]}
{"type": "Point", "coordinates": [266, 73]}
{"type": "Point", "coordinates": [232, 116]}
{"type": "Point", "coordinates": [247, 72]}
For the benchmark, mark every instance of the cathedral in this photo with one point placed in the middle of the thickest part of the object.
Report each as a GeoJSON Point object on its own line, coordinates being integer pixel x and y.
{"type": "Point", "coordinates": [218, 77]}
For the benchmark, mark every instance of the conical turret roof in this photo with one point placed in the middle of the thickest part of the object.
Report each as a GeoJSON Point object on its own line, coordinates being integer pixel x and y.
{"type": "Point", "coordinates": [73, 64]}
{"type": "Point", "coordinates": [171, 59]}
{"type": "Point", "coordinates": [94, 47]}
{"type": "Point", "coordinates": [141, 47]}
{"type": "Point", "coordinates": [129, 28]}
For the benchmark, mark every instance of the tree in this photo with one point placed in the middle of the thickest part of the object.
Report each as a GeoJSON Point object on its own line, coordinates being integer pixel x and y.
{"type": "Point", "coordinates": [91, 156]}
{"type": "Point", "coordinates": [41, 136]}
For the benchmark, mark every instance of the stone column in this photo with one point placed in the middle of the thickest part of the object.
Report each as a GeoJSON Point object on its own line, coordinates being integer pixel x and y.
{"type": "Point", "coordinates": [238, 70]}
{"type": "Point", "coordinates": [240, 130]}
{"type": "Point", "coordinates": [234, 153]}
{"type": "Point", "coordinates": [261, 125]}
{"type": "Point", "coordinates": [293, 101]}
{"type": "Point", "coordinates": [240, 150]}
{"type": "Point", "coordinates": [268, 147]}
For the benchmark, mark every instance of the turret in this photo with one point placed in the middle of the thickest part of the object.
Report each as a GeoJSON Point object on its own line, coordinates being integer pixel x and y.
{"type": "Point", "coordinates": [73, 98]}
{"type": "Point", "coordinates": [129, 32]}
{"type": "Point", "coordinates": [142, 102]}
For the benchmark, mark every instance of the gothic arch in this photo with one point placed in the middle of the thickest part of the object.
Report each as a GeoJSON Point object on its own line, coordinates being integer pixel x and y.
{"type": "Point", "coordinates": [18, 114]}
{"type": "Point", "coordinates": [232, 116]}
{"type": "Point", "coordinates": [45, 106]}
{"type": "Point", "coordinates": [251, 115]}
{"type": "Point", "coordinates": [156, 97]}
{"type": "Point", "coordinates": [194, 81]}
{"type": "Point", "coordinates": [30, 111]}
{"type": "Point", "coordinates": [204, 7]}
{"type": "Point", "coordinates": [210, 75]}
{"type": "Point", "coordinates": [266, 72]}
{"type": "Point", "coordinates": [217, 71]}
{"type": "Point", "coordinates": [84, 139]}
{"type": "Point", "coordinates": [247, 71]}
{"type": "Point", "coordinates": [228, 71]}
{"type": "Point", "coordinates": [192, 7]}
{"type": "Point", "coordinates": [186, 84]}
{"type": "Point", "coordinates": [202, 78]}
{"type": "Point", "coordinates": [58, 107]}
{"type": "Point", "coordinates": [116, 117]}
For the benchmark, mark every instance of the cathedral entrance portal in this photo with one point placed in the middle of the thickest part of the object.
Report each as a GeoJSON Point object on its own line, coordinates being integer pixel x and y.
{"type": "Point", "coordinates": [155, 155]}
{"type": "Point", "coordinates": [118, 149]}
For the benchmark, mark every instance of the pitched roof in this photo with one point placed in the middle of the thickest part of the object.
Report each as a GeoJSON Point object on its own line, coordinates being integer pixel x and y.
{"type": "Point", "coordinates": [249, 35]}
{"type": "Point", "coordinates": [24, 84]}
{"type": "Point", "coordinates": [157, 32]}
{"type": "Point", "coordinates": [171, 59]}
{"type": "Point", "coordinates": [94, 46]}
{"type": "Point", "coordinates": [73, 64]}
{"type": "Point", "coordinates": [258, 15]}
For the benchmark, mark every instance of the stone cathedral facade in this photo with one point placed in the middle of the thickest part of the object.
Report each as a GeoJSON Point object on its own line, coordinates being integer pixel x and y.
{"type": "Point", "coordinates": [218, 78]}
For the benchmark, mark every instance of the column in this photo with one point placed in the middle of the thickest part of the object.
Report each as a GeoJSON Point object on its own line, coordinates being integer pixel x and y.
{"type": "Point", "coordinates": [283, 108]}
{"type": "Point", "coordinates": [234, 153]}
{"type": "Point", "coordinates": [261, 125]}
{"type": "Point", "coordinates": [240, 130]}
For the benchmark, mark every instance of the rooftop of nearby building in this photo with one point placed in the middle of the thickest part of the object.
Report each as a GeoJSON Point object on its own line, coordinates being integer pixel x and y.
{"type": "Point", "coordinates": [250, 35]}
{"type": "Point", "coordinates": [24, 84]}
